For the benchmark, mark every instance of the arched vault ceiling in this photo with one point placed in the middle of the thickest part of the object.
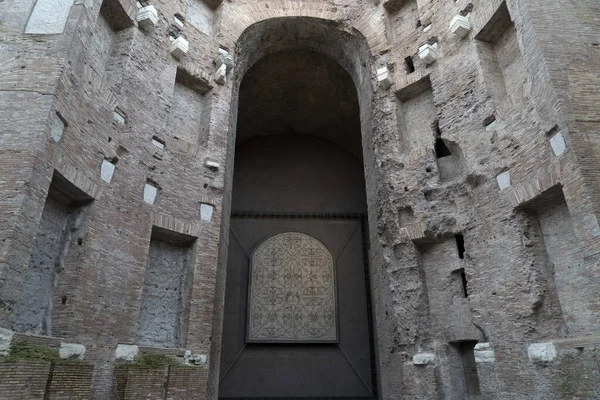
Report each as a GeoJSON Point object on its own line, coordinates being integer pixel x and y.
{"type": "Point", "coordinates": [300, 92]}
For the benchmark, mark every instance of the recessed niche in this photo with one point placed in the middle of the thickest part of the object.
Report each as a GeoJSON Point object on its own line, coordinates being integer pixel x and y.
{"type": "Point", "coordinates": [164, 308]}
{"type": "Point", "coordinates": [190, 109]}
{"type": "Point", "coordinates": [64, 220]}
{"type": "Point", "coordinates": [500, 56]}
{"type": "Point", "coordinates": [565, 268]}
{"type": "Point", "coordinates": [49, 17]}
{"type": "Point", "coordinates": [202, 16]}
{"type": "Point", "coordinates": [109, 44]}
{"type": "Point", "coordinates": [403, 20]}
{"type": "Point", "coordinates": [416, 115]}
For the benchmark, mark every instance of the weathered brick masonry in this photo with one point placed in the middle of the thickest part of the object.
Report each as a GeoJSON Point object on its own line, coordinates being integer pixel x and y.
{"type": "Point", "coordinates": [481, 159]}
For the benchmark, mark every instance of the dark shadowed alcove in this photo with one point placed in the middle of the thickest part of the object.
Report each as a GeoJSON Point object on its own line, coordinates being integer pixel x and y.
{"type": "Point", "coordinates": [298, 169]}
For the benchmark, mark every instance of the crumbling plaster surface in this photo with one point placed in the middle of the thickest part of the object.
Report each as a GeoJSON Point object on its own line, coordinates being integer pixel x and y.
{"type": "Point", "coordinates": [46, 74]}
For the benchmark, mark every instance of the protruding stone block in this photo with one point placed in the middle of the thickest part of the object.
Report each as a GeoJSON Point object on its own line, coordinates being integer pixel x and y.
{"type": "Point", "coordinates": [212, 165]}
{"type": "Point", "coordinates": [484, 353]}
{"type": "Point", "coordinates": [57, 129]}
{"type": "Point", "coordinates": [119, 116]}
{"type": "Point", "coordinates": [6, 337]}
{"type": "Point", "coordinates": [542, 352]}
{"type": "Point", "coordinates": [71, 351]}
{"type": "Point", "coordinates": [179, 47]}
{"type": "Point", "coordinates": [194, 359]}
{"type": "Point", "coordinates": [424, 359]}
{"type": "Point", "coordinates": [503, 180]}
{"type": "Point", "coordinates": [428, 53]}
{"type": "Point", "coordinates": [384, 78]}
{"type": "Point", "coordinates": [224, 58]}
{"type": "Point", "coordinates": [206, 211]}
{"type": "Point", "coordinates": [221, 75]}
{"type": "Point", "coordinates": [147, 17]}
{"type": "Point", "coordinates": [460, 26]}
{"type": "Point", "coordinates": [158, 143]}
{"type": "Point", "coordinates": [150, 193]}
{"type": "Point", "coordinates": [107, 170]}
{"type": "Point", "coordinates": [126, 352]}
{"type": "Point", "coordinates": [557, 142]}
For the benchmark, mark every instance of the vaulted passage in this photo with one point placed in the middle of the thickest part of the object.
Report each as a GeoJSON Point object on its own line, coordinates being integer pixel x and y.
{"type": "Point", "coordinates": [297, 311]}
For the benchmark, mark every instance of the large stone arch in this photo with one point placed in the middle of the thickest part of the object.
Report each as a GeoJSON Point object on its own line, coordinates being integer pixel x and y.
{"type": "Point", "coordinates": [348, 47]}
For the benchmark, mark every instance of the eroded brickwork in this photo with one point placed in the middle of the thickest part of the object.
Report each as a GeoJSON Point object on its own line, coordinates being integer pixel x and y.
{"type": "Point", "coordinates": [91, 85]}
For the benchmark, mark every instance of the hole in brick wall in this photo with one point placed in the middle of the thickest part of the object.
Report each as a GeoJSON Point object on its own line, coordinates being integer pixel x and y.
{"type": "Point", "coordinates": [460, 245]}
{"type": "Point", "coordinates": [441, 150]}
{"type": "Point", "coordinates": [64, 217]}
{"type": "Point", "coordinates": [406, 216]}
{"type": "Point", "coordinates": [467, 10]}
{"type": "Point", "coordinates": [409, 65]}
{"type": "Point", "coordinates": [164, 307]}
{"type": "Point", "coordinates": [489, 120]}
{"type": "Point", "coordinates": [63, 300]}
{"type": "Point", "coordinates": [79, 241]}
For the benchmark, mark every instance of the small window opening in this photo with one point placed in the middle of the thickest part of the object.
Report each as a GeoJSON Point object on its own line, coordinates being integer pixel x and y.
{"type": "Point", "coordinates": [463, 278]}
{"type": "Point", "coordinates": [441, 150]}
{"type": "Point", "coordinates": [460, 245]}
{"type": "Point", "coordinates": [409, 65]}
{"type": "Point", "coordinates": [63, 300]}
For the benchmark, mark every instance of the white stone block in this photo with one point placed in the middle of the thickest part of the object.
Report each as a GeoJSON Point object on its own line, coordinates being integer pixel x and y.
{"type": "Point", "coordinates": [58, 128]}
{"type": "Point", "coordinates": [212, 164]}
{"type": "Point", "coordinates": [6, 337]}
{"type": "Point", "coordinates": [424, 359]}
{"type": "Point", "coordinates": [221, 75]}
{"type": "Point", "coordinates": [126, 352]}
{"type": "Point", "coordinates": [224, 59]}
{"type": "Point", "coordinates": [384, 77]}
{"type": "Point", "coordinates": [158, 144]}
{"type": "Point", "coordinates": [484, 353]}
{"type": "Point", "coordinates": [150, 193]}
{"type": "Point", "coordinates": [542, 352]}
{"type": "Point", "coordinates": [147, 17]}
{"type": "Point", "coordinates": [504, 180]}
{"type": "Point", "coordinates": [71, 351]}
{"type": "Point", "coordinates": [194, 359]}
{"type": "Point", "coordinates": [428, 53]}
{"type": "Point", "coordinates": [460, 26]}
{"type": "Point", "coordinates": [557, 142]}
{"type": "Point", "coordinates": [427, 28]}
{"type": "Point", "coordinates": [178, 22]}
{"type": "Point", "coordinates": [492, 126]}
{"type": "Point", "coordinates": [206, 211]}
{"type": "Point", "coordinates": [107, 170]}
{"type": "Point", "coordinates": [179, 47]}
{"type": "Point", "coordinates": [119, 116]}
{"type": "Point", "coordinates": [49, 17]}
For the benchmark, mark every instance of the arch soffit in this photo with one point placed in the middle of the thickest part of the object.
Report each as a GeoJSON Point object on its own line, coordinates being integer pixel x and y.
{"type": "Point", "coordinates": [370, 23]}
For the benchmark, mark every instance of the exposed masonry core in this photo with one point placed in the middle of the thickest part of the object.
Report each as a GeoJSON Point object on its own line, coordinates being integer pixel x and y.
{"type": "Point", "coordinates": [63, 223]}
{"type": "Point", "coordinates": [166, 290]}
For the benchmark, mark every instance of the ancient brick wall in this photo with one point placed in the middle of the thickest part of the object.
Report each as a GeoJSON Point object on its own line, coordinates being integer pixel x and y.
{"type": "Point", "coordinates": [515, 102]}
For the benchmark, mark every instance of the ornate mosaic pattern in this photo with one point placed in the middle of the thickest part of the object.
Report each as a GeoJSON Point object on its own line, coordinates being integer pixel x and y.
{"type": "Point", "coordinates": [292, 291]}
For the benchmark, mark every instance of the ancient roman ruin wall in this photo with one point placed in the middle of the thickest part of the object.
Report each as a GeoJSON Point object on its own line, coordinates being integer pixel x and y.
{"type": "Point", "coordinates": [479, 124]}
